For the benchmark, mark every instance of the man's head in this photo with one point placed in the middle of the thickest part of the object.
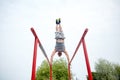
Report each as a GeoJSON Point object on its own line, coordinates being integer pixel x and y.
{"type": "Point", "coordinates": [59, 54]}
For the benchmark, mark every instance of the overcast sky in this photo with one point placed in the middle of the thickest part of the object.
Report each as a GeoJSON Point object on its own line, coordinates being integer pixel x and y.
{"type": "Point", "coordinates": [101, 17]}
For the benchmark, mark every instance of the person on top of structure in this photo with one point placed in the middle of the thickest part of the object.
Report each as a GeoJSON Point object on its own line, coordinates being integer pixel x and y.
{"type": "Point", "coordinates": [59, 36]}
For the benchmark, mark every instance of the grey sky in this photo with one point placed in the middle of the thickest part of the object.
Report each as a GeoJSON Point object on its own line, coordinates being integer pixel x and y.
{"type": "Point", "coordinates": [101, 17]}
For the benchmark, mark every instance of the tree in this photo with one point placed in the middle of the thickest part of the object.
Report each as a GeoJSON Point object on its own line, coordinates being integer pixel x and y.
{"type": "Point", "coordinates": [94, 75]}
{"type": "Point", "coordinates": [117, 71]}
{"type": "Point", "coordinates": [106, 70]}
{"type": "Point", "coordinates": [43, 71]}
{"type": "Point", "coordinates": [60, 70]}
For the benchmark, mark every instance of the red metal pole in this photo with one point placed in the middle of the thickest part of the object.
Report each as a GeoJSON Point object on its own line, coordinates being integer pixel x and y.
{"type": "Point", "coordinates": [35, 35]}
{"type": "Point", "coordinates": [69, 74]}
{"type": "Point", "coordinates": [40, 45]}
{"type": "Point", "coordinates": [85, 32]}
{"type": "Point", "coordinates": [51, 60]}
{"type": "Point", "coordinates": [34, 60]}
{"type": "Point", "coordinates": [50, 71]}
{"type": "Point", "coordinates": [87, 60]}
{"type": "Point", "coordinates": [35, 53]}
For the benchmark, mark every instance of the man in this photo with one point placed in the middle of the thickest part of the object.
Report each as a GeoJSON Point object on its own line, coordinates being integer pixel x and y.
{"type": "Point", "coordinates": [59, 36]}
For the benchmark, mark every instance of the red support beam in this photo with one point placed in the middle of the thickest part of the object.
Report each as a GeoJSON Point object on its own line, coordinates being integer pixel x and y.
{"type": "Point", "coordinates": [50, 71]}
{"type": "Point", "coordinates": [69, 74]}
{"type": "Point", "coordinates": [34, 60]}
{"type": "Point", "coordinates": [37, 41]}
{"type": "Point", "coordinates": [85, 32]}
{"type": "Point", "coordinates": [85, 53]}
{"type": "Point", "coordinates": [40, 45]}
{"type": "Point", "coordinates": [87, 61]}
{"type": "Point", "coordinates": [35, 35]}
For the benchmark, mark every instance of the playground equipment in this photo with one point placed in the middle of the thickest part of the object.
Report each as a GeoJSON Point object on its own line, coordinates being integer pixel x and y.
{"type": "Point", "coordinates": [37, 41]}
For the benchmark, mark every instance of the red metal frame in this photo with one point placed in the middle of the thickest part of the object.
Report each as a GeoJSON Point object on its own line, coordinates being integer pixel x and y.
{"type": "Point", "coordinates": [37, 41]}
{"type": "Point", "coordinates": [82, 40]}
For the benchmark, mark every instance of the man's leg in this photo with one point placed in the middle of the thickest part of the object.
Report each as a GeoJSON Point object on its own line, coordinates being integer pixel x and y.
{"type": "Point", "coordinates": [58, 25]}
{"type": "Point", "coordinates": [57, 28]}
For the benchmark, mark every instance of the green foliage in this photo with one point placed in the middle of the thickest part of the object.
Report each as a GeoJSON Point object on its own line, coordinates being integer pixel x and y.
{"type": "Point", "coordinates": [94, 74]}
{"type": "Point", "coordinates": [60, 70]}
{"type": "Point", "coordinates": [117, 71]}
{"type": "Point", "coordinates": [106, 71]}
{"type": "Point", "coordinates": [43, 71]}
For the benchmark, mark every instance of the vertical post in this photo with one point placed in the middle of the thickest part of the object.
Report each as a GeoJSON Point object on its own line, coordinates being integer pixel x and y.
{"type": "Point", "coordinates": [69, 75]}
{"type": "Point", "coordinates": [50, 71]}
{"type": "Point", "coordinates": [34, 60]}
{"type": "Point", "coordinates": [87, 60]}
{"type": "Point", "coordinates": [51, 60]}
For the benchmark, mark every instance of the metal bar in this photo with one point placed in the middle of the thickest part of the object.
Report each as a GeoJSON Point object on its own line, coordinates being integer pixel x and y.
{"type": "Point", "coordinates": [35, 35]}
{"type": "Point", "coordinates": [34, 60]}
{"type": "Point", "coordinates": [85, 32]}
{"type": "Point", "coordinates": [69, 73]}
{"type": "Point", "coordinates": [51, 60]}
{"type": "Point", "coordinates": [44, 53]}
{"type": "Point", "coordinates": [40, 45]}
{"type": "Point", "coordinates": [35, 53]}
{"type": "Point", "coordinates": [50, 71]}
{"type": "Point", "coordinates": [87, 61]}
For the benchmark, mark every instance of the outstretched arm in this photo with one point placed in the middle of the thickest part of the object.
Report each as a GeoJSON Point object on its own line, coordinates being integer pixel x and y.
{"type": "Point", "coordinates": [53, 53]}
{"type": "Point", "coordinates": [67, 55]}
